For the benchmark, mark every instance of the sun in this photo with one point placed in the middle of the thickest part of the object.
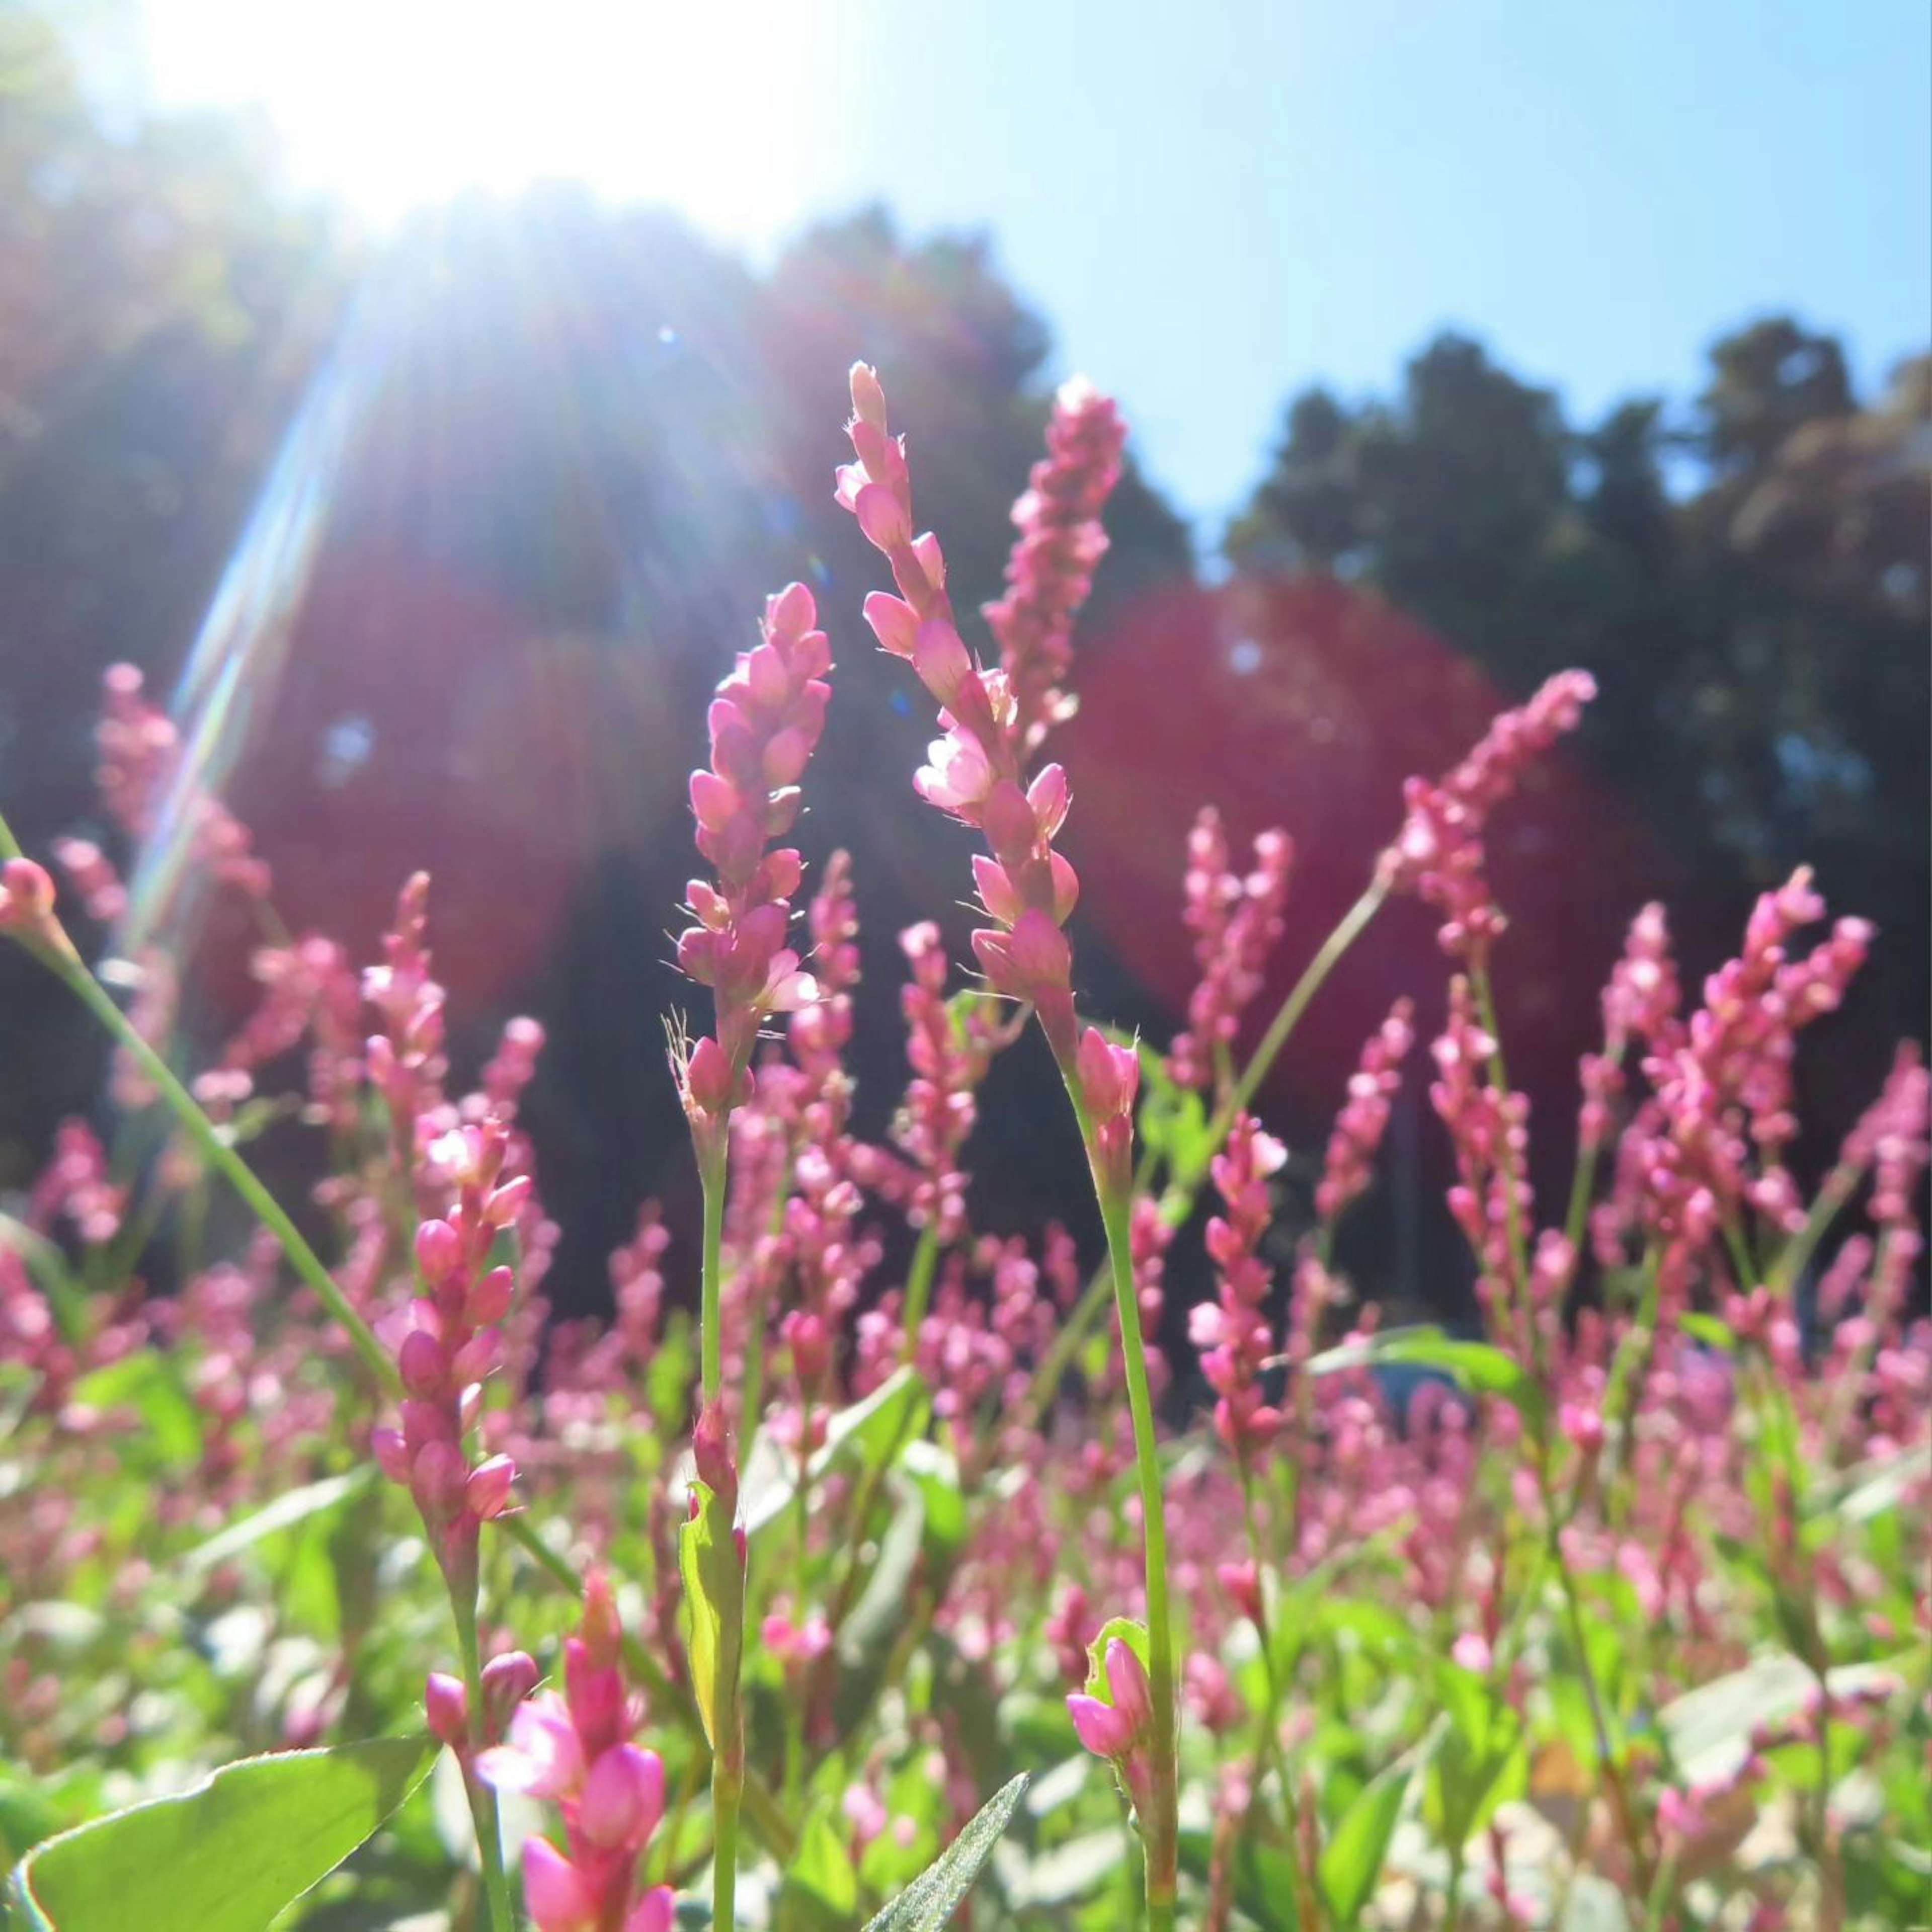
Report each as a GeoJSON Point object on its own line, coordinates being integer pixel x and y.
{"type": "Point", "coordinates": [385, 106]}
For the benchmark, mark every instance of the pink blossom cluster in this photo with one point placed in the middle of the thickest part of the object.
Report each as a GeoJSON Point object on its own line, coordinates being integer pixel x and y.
{"type": "Point", "coordinates": [406, 1060]}
{"type": "Point", "coordinates": [1438, 854]}
{"type": "Point", "coordinates": [1119, 1726]}
{"type": "Point", "coordinates": [1491, 1200]}
{"type": "Point", "coordinates": [973, 772]}
{"type": "Point", "coordinates": [1051, 569]}
{"type": "Point", "coordinates": [576, 1751]}
{"type": "Point", "coordinates": [140, 764]}
{"type": "Point", "coordinates": [1236, 920]}
{"type": "Point", "coordinates": [1640, 1005]}
{"type": "Point", "coordinates": [1234, 1332]}
{"type": "Point", "coordinates": [94, 877]}
{"type": "Point", "coordinates": [450, 1345]}
{"type": "Point", "coordinates": [765, 723]}
{"type": "Point", "coordinates": [1364, 1117]}
{"type": "Point", "coordinates": [1710, 1142]}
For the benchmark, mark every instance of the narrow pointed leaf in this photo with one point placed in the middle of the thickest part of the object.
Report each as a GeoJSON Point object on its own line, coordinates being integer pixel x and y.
{"type": "Point", "coordinates": [932, 1899]}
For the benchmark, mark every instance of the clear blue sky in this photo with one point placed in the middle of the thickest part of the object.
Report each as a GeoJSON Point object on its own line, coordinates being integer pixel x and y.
{"type": "Point", "coordinates": [1214, 203]}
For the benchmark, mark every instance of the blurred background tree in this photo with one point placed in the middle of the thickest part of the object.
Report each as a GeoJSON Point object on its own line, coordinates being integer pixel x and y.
{"type": "Point", "coordinates": [1747, 575]}
{"type": "Point", "coordinates": [544, 455]}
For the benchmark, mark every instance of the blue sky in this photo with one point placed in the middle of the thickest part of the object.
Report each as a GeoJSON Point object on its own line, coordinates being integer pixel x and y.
{"type": "Point", "coordinates": [1213, 204]}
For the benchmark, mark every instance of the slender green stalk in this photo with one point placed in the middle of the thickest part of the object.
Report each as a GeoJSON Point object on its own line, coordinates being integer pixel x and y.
{"type": "Point", "coordinates": [1349, 928]}
{"type": "Point", "coordinates": [482, 1799]}
{"type": "Point", "coordinates": [728, 1756]}
{"type": "Point", "coordinates": [216, 1151]}
{"type": "Point", "coordinates": [1177, 1199]}
{"type": "Point", "coordinates": [1162, 1831]}
{"type": "Point", "coordinates": [712, 1172]}
{"type": "Point", "coordinates": [919, 1287]}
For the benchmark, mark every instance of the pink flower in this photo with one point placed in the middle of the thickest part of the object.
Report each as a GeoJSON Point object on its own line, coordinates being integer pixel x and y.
{"type": "Point", "coordinates": [1437, 855]}
{"type": "Point", "coordinates": [1051, 567]}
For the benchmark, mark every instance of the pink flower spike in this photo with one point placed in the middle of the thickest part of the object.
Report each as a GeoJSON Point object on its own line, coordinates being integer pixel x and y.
{"type": "Point", "coordinates": [1105, 1731]}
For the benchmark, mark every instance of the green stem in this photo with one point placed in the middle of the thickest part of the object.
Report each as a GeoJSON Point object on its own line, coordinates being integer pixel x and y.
{"type": "Point", "coordinates": [482, 1799]}
{"type": "Point", "coordinates": [1177, 1200]}
{"type": "Point", "coordinates": [727, 1756]}
{"type": "Point", "coordinates": [711, 1171]}
{"type": "Point", "coordinates": [1162, 1830]}
{"type": "Point", "coordinates": [1350, 927]}
{"type": "Point", "coordinates": [919, 1287]}
{"type": "Point", "coordinates": [219, 1154]}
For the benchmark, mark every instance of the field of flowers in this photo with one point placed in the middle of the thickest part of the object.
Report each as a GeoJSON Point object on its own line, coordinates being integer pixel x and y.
{"type": "Point", "coordinates": [341, 1587]}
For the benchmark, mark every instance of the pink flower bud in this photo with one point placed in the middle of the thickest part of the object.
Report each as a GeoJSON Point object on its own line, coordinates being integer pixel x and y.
{"type": "Point", "coordinates": [939, 656]}
{"type": "Point", "coordinates": [438, 1250]}
{"type": "Point", "coordinates": [506, 1203]}
{"type": "Point", "coordinates": [437, 1476]}
{"type": "Point", "coordinates": [600, 1632]}
{"type": "Point", "coordinates": [422, 1361]}
{"type": "Point", "coordinates": [883, 518]}
{"type": "Point", "coordinates": [868, 396]}
{"type": "Point", "coordinates": [26, 894]}
{"type": "Point", "coordinates": [486, 1494]}
{"type": "Point", "coordinates": [391, 1454]}
{"type": "Point", "coordinates": [507, 1681]}
{"type": "Point", "coordinates": [707, 1077]}
{"type": "Point", "coordinates": [1105, 1731]}
{"type": "Point", "coordinates": [1127, 1680]}
{"type": "Point", "coordinates": [1050, 795]}
{"type": "Point", "coordinates": [714, 802]}
{"type": "Point", "coordinates": [1109, 1076]}
{"type": "Point", "coordinates": [895, 622]}
{"type": "Point", "coordinates": [447, 1706]}
{"type": "Point", "coordinates": [792, 612]}
{"type": "Point", "coordinates": [489, 1300]}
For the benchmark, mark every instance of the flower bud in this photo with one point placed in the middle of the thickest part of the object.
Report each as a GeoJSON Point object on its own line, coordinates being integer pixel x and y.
{"type": "Point", "coordinates": [447, 1706]}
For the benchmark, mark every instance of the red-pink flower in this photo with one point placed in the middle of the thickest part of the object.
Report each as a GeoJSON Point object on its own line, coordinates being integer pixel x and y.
{"type": "Point", "coordinates": [1438, 854]}
{"type": "Point", "coordinates": [1051, 567]}
{"type": "Point", "coordinates": [1236, 922]}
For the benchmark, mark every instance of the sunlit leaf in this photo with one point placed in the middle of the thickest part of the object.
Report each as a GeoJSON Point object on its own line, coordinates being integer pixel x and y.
{"type": "Point", "coordinates": [228, 1856]}
{"type": "Point", "coordinates": [932, 1898]}
{"type": "Point", "coordinates": [1352, 1860]}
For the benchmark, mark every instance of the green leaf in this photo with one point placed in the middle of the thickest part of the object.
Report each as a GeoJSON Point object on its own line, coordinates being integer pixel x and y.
{"type": "Point", "coordinates": [1709, 1330]}
{"type": "Point", "coordinates": [932, 1898]}
{"type": "Point", "coordinates": [226, 1856]}
{"type": "Point", "coordinates": [150, 1384]}
{"type": "Point", "coordinates": [893, 1413]}
{"type": "Point", "coordinates": [1264, 1879]}
{"type": "Point", "coordinates": [934, 1473]}
{"type": "Point", "coordinates": [1351, 1861]}
{"type": "Point", "coordinates": [714, 1594]}
{"type": "Point", "coordinates": [821, 1882]}
{"type": "Point", "coordinates": [1471, 1365]}
{"type": "Point", "coordinates": [293, 1507]}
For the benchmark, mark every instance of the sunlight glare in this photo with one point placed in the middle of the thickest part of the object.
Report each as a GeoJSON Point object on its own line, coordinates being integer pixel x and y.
{"type": "Point", "coordinates": [388, 105]}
